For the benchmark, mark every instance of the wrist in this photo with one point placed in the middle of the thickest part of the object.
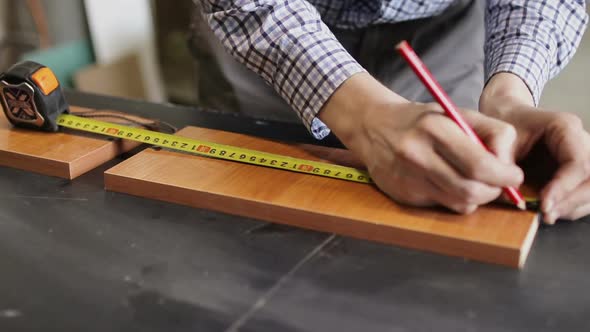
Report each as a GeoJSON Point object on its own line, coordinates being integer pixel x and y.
{"type": "Point", "coordinates": [351, 105]}
{"type": "Point", "coordinates": [503, 94]}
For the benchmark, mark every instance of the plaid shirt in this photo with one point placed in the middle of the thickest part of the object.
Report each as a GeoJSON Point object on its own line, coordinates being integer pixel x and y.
{"type": "Point", "coordinates": [288, 43]}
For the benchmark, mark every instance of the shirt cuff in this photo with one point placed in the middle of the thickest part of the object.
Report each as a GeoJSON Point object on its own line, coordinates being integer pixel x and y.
{"type": "Point", "coordinates": [315, 66]}
{"type": "Point", "coordinates": [529, 60]}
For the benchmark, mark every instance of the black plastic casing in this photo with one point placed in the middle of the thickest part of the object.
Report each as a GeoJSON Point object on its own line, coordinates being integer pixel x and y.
{"type": "Point", "coordinates": [48, 106]}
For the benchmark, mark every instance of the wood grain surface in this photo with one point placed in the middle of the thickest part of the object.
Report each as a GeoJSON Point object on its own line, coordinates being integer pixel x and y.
{"type": "Point", "coordinates": [65, 154]}
{"type": "Point", "coordinates": [495, 234]}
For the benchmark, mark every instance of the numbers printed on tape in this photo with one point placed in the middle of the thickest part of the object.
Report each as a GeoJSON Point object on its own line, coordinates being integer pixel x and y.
{"type": "Point", "coordinates": [219, 151]}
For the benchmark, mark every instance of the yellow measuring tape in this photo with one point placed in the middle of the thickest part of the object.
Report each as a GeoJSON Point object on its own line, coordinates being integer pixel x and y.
{"type": "Point", "coordinates": [214, 150]}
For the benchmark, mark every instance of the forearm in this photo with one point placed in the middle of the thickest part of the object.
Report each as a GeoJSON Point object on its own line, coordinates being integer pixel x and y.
{"type": "Point", "coordinates": [532, 39]}
{"type": "Point", "coordinates": [288, 45]}
{"type": "Point", "coordinates": [350, 107]}
{"type": "Point", "coordinates": [503, 91]}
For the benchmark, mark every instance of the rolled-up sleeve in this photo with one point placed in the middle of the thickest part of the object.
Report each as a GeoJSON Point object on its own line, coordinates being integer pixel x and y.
{"type": "Point", "coordinates": [533, 39]}
{"type": "Point", "coordinates": [288, 45]}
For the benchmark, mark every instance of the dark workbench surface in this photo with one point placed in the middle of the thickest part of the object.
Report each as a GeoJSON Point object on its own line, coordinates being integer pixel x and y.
{"type": "Point", "coordinates": [76, 258]}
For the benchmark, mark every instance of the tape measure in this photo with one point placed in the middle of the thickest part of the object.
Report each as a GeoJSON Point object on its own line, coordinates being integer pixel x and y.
{"type": "Point", "coordinates": [32, 98]}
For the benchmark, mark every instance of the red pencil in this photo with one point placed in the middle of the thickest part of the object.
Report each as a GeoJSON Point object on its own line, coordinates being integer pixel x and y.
{"type": "Point", "coordinates": [449, 107]}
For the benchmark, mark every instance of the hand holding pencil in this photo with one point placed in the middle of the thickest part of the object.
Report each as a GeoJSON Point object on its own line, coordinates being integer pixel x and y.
{"type": "Point", "coordinates": [415, 153]}
{"type": "Point", "coordinates": [449, 108]}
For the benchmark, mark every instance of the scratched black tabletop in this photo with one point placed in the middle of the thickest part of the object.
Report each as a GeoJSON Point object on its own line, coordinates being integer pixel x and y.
{"type": "Point", "coordinates": [76, 258]}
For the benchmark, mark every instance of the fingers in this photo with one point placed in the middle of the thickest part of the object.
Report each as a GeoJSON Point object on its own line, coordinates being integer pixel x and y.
{"type": "Point", "coordinates": [566, 138]}
{"type": "Point", "coordinates": [455, 187]}
{"type": "Point", "coordinates": [578, 213]}
{"type": "Point", "coordinates": [471, 160]}
{"type": "Point", "coordinates": [499, 136]}
{"type": "Point", "coordinates": [405, 188]}
{"type": "Point", "coordinates": [574, 206]}
{"type": "Point", "coordinates": [423, 159]}
{"type": "Point", "coordinates": [420, 170]}
{"type": "Point", "coordinates": [569, 144]}
{"type": "Point", "coordinates": [454, 203]}
{"type": "Point", "coordinates": [568, 177]}
{"type": "Point", "coordinates": [425, 193]}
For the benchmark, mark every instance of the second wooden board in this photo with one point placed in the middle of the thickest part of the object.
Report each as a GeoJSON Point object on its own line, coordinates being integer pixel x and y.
{"type": "Point", "coordinates": [494, 234]}
{"type": "Point", "coordinates": [63, 154]}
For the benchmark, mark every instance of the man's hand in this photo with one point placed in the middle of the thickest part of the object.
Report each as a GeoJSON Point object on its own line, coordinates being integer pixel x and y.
{"type": "Point", "coordinates": [417, 155]}
{"type": "Point", "coordinates": [567, 195]}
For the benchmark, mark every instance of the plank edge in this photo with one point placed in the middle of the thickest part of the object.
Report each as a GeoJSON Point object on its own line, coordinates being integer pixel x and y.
{"type": "Point", "coordinates": [93, 159]}
{"type": "Point", "coordinates": [507, 256]}
{"type": "Point", "coordinates": [528, 242]}
{"type": "Point", "coordinates": [35, 164]}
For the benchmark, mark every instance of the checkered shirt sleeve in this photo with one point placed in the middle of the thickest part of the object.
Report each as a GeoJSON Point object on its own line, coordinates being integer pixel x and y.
{"type": "Point", "coordinates": [533, 39]}
{"type": "Point", "coordinates": [288, 45]}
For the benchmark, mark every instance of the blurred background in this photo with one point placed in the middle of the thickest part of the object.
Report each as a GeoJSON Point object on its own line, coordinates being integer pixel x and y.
{"type": "Point", "coordinates": [144, 49]}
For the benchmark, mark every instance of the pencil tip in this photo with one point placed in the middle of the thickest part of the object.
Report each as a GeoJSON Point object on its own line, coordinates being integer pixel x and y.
{"type": "Point", "coordinates": [521, 205]}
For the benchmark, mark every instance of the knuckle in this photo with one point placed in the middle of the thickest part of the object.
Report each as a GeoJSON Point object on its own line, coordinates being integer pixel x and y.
{"type": "Point", "coordinates": [429, 122]}
{"type": "Point", "coordinates": [432, 106]}
{"type": "Point", "coordinates": [469, 192]}
{"type": "Point", "coordinates": [569, 120]}
{"type": "Point", "coordinates": [508, 131]}
{"type": "Point", "coordinates": [476, 168]}
{"type": "Point", "coordinates": [407, 149]}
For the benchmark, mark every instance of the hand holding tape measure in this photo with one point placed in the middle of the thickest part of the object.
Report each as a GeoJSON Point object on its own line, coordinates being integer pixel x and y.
{"type": "Point", "coordinates": [32, 98]}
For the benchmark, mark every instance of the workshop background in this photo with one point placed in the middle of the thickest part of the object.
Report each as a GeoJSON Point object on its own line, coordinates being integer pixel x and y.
{"type": "Point", "coordinates": [139, 49]}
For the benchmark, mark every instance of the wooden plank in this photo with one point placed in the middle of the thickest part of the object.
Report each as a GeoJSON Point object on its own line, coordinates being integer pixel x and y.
{"type": "Point", "coordinates": [493, 234]}
{"type": "Point", "coordinates": [64, 154]}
